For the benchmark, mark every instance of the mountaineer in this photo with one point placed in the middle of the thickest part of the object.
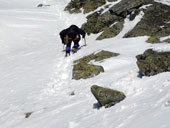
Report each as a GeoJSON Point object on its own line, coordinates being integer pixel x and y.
{"type": "Point", "coordinates": [72, 34]}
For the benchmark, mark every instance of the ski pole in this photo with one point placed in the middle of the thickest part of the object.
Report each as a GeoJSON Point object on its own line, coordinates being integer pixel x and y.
{"type": "Point", "coordinates": [85, 44]}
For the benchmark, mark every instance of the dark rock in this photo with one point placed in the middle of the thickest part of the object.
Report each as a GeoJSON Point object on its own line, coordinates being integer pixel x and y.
{"type": "Point", "coordinates": [83, 70]}
{"type": "Point", "coordinates": [153, 39]}
{"type": "Point", "coordinates": [97, 57]}
{"type": "Point", "coordinates": [151, 62]}
{"type": "Point", "coordinates": [167, 40]}
{"type": "Point", "coordinates": [107, 97]}
{"type": "Point", "coordinates": [155, 22]}
{"type": "Point", "coordinates": [28, 114]}
{"type": "Point", "coordinates": [42, 5]}
{"type": "Point", "coordinates": [72, 93]}
{"type": "Point", "coordinates": [88, 5]}
{"type": "Point", "coordinates": [97, 22]}
{"type": "Point", "coordinates": [134, 14]}
{"type": "Point", "coordinates": [112, 0]}
{"type": "Point", "coordinates": [111, 22]}
{"type": "Point", "coordinates": [110, 32]}
{"type": "Point", "coordinates": [125, 7]}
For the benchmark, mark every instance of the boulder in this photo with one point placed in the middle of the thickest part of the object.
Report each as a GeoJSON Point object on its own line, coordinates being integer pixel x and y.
{"type": "Point", "coordinates": [83, 70]}
{"type": "Point", "coordinates": [151, 62]}
{"type": "Point", "coordinates": [153, 39]}
{"type": "Point", "coordinates": [75, 6]}
{"type": "Point", "coordinates": [43, 5]}
{"type": "Point", "coordinates": [28, 114]}
{"type": "Point", "coordinates": [107, 97]}
{"type": "Point", "coordinates": [97, 22]}
{"type": "Point", "coordinates": [100, 56]}
{"type": "Point", "coordinates": [126, 7]}
{"type": "Point", "coordinates": [155, 22]}
{"type": "Point", "coordinates": [112, 31]}
{"type": "Point", "coordinates": [167, 40]}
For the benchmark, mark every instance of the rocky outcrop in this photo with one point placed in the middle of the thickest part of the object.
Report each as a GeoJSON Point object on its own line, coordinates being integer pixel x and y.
{"type": "Point", "coordinates": [167, 40]}
{"type": "Point", "coordinates": [155, 22]}
{"type": "Point", "coordinates": [97, 57]}
{"type": "Point", "coordinates": [98, 22]}
{"type": "Point", "coordinates": [126, 7]}
{"type": "Point", "coordinates": [83, 70]}
{"type": "Point", "coordinates": [111, 22]}
{"type": "Point", "coordinates": [107, 97]}
{"type": "Point", "coordinates": [151, 62]}
{"type": "Point", "coordinates": [112, 31]}
{"type": "Point", "coordinates": [76, 6]}
{"type": "Point", "coordinates": [107, 23]}
{"type": "Point", "coordinates": [153, 39]}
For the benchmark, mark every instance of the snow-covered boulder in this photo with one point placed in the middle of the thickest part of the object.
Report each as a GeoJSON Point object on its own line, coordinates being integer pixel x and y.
{"type": "Point", "coordinates": [151, 62]}
{"type": "Point", "coordinates": [107, 97]}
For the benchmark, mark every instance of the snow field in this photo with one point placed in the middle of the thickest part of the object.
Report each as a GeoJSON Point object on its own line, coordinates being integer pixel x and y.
{"type": "Point", "coordinates": [37, 78]}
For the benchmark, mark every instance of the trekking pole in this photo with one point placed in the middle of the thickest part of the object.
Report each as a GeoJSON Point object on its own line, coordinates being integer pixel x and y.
{"type": "Point", "coordinates": [85, 44]}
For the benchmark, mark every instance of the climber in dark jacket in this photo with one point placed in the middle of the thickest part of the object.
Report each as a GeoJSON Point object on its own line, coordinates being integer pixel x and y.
{"type": "Point", "coordinates": [72, 34]}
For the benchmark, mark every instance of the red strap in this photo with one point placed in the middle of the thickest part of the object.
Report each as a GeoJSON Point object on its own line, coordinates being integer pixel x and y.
{"type": "Point", "coordinates": [73, 39]}
{"type": "Point", "coordinates": [76, 38]}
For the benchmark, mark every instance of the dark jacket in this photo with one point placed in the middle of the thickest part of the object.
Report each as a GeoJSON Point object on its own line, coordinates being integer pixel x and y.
{"type": "Point", "coordinates": [73, 32]}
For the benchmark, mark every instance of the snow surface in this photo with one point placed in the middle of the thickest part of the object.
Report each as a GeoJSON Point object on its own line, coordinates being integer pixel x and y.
{"type": "Point", "coordinates": [37, 78]}
{"type": "Point", "coordinates": [167, 2]}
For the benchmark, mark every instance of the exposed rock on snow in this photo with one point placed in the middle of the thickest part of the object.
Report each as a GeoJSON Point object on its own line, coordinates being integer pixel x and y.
{"type": "Point", "coordinates": [28, 114]}
{"type": "Point", "coordinates": [107, 22]}
{"type": "Point", "coordinates": [154, 23]}
{"type": "Point", "coordinates": [112, 31]}
{"type": "Point", "coordinates": [152, 62]}
{"type": "Point", "coordinates": [97, 57]}
{"type": "Point", "coordinates": [126, 7]}
{"type": "Point", "coordinates": [167, 40]}
{"type": "Point", "coordinates": [88, 5]}
{"type": "Point", "coordinates": [153, 39]}
{"type": "Point", "coordinates": [84, 70]}
{"type": "Point", "coordinates": [107, 97]}
{"type": "Point", "coordinates": [111, 21]}
{"type": "Point", "coordinates": [42, 5]}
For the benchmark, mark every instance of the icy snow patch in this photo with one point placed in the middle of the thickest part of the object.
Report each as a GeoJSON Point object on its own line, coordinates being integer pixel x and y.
{"type": "Point", "coordinates": [167, 2]}
{"type": "Point", "coordinates": [129, 25]}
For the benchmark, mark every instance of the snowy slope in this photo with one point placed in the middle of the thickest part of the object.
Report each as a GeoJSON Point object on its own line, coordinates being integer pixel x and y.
{"type": "Point", "coordinates": [36, 77]}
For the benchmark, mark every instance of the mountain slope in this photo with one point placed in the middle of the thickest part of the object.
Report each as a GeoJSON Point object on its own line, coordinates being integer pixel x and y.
{"type": "Point", "coordinates": [36, 77]}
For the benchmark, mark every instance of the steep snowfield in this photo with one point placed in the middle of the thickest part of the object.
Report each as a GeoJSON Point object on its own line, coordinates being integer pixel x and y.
{"type": "Point", "coordinates": [36, 77]}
